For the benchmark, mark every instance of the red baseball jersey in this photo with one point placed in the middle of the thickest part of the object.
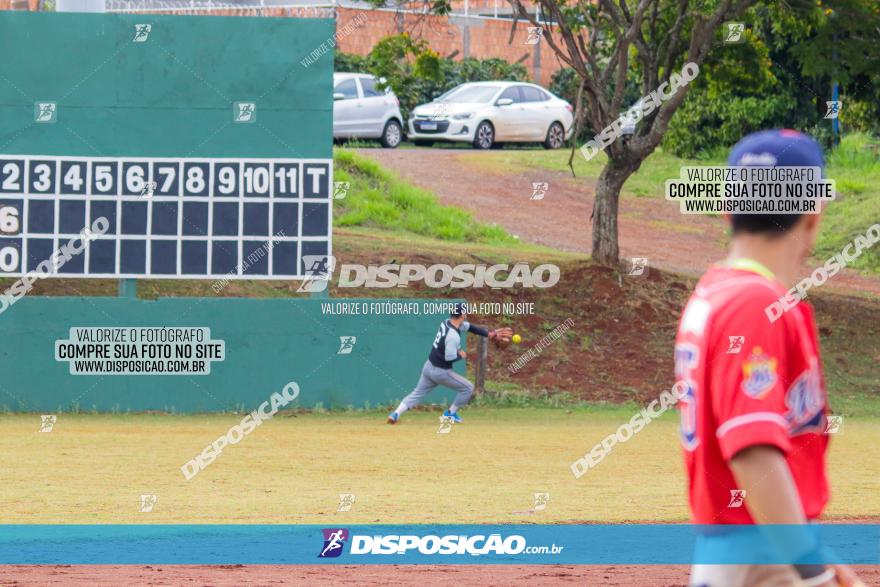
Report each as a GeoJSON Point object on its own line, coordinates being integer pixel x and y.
{"type": "Point", "coordinates": [747, 381]}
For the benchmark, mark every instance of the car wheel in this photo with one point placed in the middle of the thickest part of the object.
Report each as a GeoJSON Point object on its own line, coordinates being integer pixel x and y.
{"type": "Point", "coordinates": [555, 137]}
{"type": "Point", "coordinates": [391, 135]}
{"type": "Point", "coordinates": [485, 135]}
{"type": "Point", "coordinates": [423, 143]}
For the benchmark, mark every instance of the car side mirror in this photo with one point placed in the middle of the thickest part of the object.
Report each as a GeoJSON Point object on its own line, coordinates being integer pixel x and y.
{"type": "Point", "coordinates": [338, 96]}
{"type": "Point", "coordinates": [503, 102]}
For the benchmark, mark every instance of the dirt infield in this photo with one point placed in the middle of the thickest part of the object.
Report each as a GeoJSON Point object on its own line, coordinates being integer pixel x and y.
{"type": "Point", "coordinates": [236, 575]}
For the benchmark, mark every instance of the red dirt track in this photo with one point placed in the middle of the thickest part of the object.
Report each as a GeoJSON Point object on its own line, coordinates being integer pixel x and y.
{"type": "Point", "coordinates": [362, 575]}
{"type": "Point", "coordinates": [235, 575]}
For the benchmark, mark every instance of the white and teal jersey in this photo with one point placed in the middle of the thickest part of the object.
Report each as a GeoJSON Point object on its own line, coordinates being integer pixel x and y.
{"type": "Point", "coordinates": [447, 343]}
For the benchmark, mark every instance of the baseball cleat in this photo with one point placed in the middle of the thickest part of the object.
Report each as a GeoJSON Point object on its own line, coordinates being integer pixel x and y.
{"type": "Point", "coordinates": [393, 417]}
{"type": "Point", "coordinates": [455, 417]}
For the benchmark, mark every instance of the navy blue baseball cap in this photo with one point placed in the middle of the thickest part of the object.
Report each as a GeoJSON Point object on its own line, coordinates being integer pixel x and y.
{"type": "Point", "coordinates": [457, 310]}
{"type": "Point", "coordinates": [777, 148]}
{"type": "Point", "coordinates": [773, 148]}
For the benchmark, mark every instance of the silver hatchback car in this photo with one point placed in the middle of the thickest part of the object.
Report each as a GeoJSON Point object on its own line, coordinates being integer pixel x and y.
{"type": "Point", "coordinates": [361, 110]}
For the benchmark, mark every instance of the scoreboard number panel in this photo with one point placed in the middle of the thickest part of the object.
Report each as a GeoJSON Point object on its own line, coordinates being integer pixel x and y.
{"type": "Point", "coordinates": [190, 218]}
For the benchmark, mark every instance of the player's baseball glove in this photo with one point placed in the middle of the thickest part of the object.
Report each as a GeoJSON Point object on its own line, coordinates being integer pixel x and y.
{"type": "Point", "coordinates": [500, 337]}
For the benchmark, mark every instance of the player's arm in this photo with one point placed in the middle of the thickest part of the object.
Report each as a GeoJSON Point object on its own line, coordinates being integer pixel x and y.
{"type": "Point", "coordinates": [478, 330]}
{"type": "Point", "coordinates": [748, 402]}
{"type": "Point", "coordinates": [498, 333]}
{"type": "Point", "coordinates": [773, 499]}
{"type": "Point", "coordinates": [772, 494]}
{"type": "Point", "coordinates": [453, 351]}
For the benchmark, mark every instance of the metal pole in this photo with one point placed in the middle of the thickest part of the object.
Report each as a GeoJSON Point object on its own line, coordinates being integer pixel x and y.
{"type": "Point", "coordinates": [480, 364]}
{"type": "Point", "coordinates": [835, 122]}
{"type": "Point", "coordinates": [835, 88]}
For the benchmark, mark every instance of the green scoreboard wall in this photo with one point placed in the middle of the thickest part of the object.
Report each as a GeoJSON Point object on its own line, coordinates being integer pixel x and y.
{"type": "Point", "coordinates": [169, 95]}
{"type": "Point", "coordinates": [94, 108]}
{"type": "Point", "coordinates": [266, 344]}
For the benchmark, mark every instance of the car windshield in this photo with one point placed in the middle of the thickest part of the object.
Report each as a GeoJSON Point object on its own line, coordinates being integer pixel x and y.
{"type": "Point", "coordinates": [472, 94]}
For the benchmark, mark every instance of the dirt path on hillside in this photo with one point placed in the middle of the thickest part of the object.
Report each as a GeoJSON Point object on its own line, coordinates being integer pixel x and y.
{"type": "Point", "coordinates": [649, 227]}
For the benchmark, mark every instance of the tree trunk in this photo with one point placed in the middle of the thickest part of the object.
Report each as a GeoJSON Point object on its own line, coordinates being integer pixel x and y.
{"type": "Point", "coordinates": [605, 242]}
{"type": "Point", "coordinates": [480, 364]}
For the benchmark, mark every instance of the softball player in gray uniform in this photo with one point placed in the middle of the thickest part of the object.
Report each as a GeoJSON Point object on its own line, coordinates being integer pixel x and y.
{"type": "Point", "coordinates": [437, 370]}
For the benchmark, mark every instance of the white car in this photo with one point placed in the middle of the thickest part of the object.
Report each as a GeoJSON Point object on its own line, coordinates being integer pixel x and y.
{"type": "Point", "coordinates": [489, 113]}
{"type": "Point", "coordinates": [361, 110]}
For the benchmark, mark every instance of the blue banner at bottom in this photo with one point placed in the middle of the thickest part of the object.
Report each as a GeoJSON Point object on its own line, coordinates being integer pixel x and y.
{"type": "Point", "coordinates": [630, 544]}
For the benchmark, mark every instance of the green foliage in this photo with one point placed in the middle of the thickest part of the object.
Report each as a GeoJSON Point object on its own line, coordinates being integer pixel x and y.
{"type": "Point", "coordinates": [855, 167]}
{"type": "Point", "coordinates": [417, 74]}
{"type": "Point", "coordinates": [861, 116]}
{"type": "Point", "coordinates": [433, 6]}
{"type": "Point", "coordinates": [843, 44]}
{"type": "Point", "coordinates": [405, 64]}
{"type": "Point", "coordinates": [703, 124]}
{"type": "Point", "coordinates": [393, 56]}
{"type": "Point", "coordinates": [736, 93]}
{"type": "Point", "coordinates": [476, 70]}
{"type": "Point", "coordinates": [739, 70]}
{"type": "Point", "coordinates": [782, 76]}
{"type": "Point", "coordinates": [427, 66]}
{"type": "Point", "coordinates": [564, 83]}
{"type": "Point", "coordinates": [350, 63]}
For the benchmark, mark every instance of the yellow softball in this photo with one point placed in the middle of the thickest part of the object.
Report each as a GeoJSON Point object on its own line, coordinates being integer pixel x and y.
{"type": "Point", "coordinates": [516, 339]}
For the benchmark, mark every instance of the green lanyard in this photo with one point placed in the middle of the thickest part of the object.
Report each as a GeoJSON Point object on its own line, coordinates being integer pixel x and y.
{"type": "Point", "coordinates": [751, 265]}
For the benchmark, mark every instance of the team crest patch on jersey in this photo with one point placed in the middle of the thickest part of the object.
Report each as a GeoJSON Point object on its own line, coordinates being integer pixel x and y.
{"type": "Point", "coordinates": [759, 374]}
{"type": "Point", "coordinates": [805, 400]}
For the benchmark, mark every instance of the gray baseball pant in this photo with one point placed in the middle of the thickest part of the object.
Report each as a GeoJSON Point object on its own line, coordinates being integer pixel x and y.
{"type": "Point", "coordinates": [432, 377]}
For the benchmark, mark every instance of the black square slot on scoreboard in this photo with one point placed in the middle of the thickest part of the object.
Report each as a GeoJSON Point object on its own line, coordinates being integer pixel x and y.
{"type": "Point", "coordinates": [164, 217]}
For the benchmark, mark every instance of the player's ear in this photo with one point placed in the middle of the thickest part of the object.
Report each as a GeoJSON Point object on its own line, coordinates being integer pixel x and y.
{"type": "Point", "coordinates": [808, 226]}
{"type": "Point", "coordinates": [813, 222]}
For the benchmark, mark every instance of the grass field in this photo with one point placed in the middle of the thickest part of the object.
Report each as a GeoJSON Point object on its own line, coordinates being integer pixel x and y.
{"type": "Point", "coordinates": [93, 469]}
